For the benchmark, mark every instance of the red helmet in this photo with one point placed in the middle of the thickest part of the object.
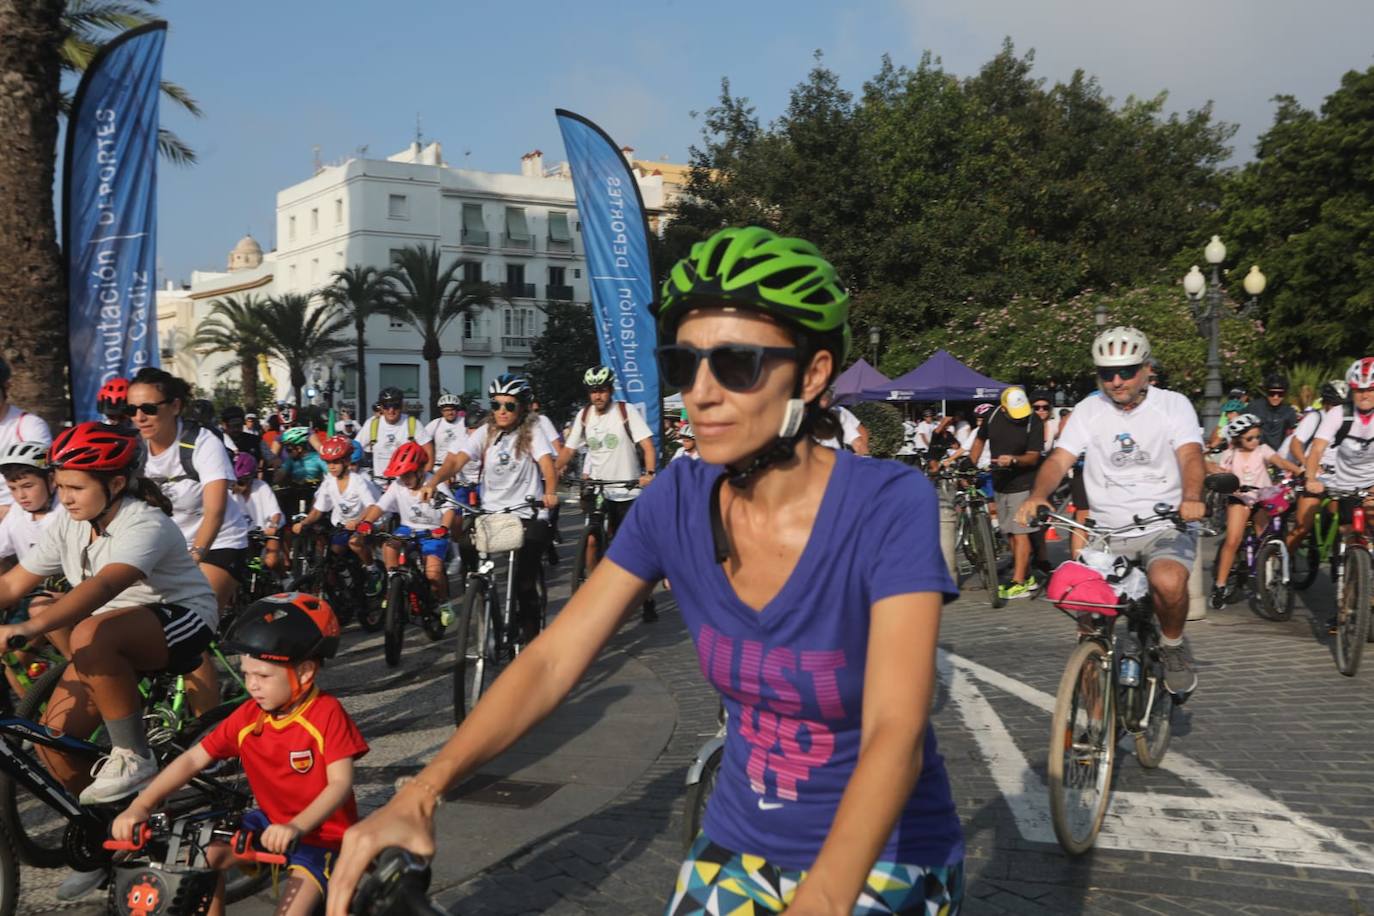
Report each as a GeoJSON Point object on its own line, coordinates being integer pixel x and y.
{"type": "Point", "coordinates": [336, 448]}
{"type": "Point", "coordinates": [406, 459]}
{"type": "Point", "coordinates": [95, 447]}
{"type": "Point", "coordinates": [114, 395]}
{"type": "Point", "coordinates": [288, 627]}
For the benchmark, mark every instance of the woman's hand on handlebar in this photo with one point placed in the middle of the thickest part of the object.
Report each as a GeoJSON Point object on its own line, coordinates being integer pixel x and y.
{"type": "Point", "coordinates": [406, 821]}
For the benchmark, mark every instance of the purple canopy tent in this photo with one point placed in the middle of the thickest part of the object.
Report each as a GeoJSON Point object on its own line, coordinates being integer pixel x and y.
{"type": "Point", "coordinates": [851, 382]}
{"type": "Point", "coordinates": [941, 378]}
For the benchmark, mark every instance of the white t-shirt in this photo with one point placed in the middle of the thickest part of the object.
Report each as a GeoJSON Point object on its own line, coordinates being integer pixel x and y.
{"type": "Point", "coordinates": [349, 503]}
{"type": "Point", "coordinates": [1351, 462]}
{"type": "Point", "coordinates": [260, 505]}
{"type": "Point", "coordinates": [1311, 424]}
{"type": "Point", "coordinates": [909, 428]}
{"type": "Point", "coordinates": [20, 530]}
{"type": "Point", "coordinates": [849, 428]}
{"type": "Point", "coordinates": [447, 437]}
{"type": "Point", "coordinates": [966, 435]}
{"type": "Point", "coordinates": [1130, 461]}
{"type": "Point", "coordinates": [508, 477]}
{"type": "Point", "coordinates": [140, 536]}
{"type": "Point", "coordinates": [693, 455]}
{"type": "Point", "coordinates": [20, 426]}
{"type": "Point", "coordinates": [389, 438]}
{"type": "Point", "coordinates": [924, 430]}
{"type": "Point", "coordinates": [550, 431]}
{"type": "Point", "coordinates": [212, 462]}
{"type": "Point", "coordinates": [612, 452]}
{"type": "Point", "coordinates": [413, 513]}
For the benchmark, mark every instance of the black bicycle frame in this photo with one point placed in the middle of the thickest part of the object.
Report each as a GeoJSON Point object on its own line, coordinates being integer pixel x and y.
{"type": "Point", "coordinates": [31, 774]}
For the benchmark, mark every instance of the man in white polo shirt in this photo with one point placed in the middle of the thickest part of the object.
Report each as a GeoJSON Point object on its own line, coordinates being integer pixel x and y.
{"type": "Point", "coordinates": [384, 432]}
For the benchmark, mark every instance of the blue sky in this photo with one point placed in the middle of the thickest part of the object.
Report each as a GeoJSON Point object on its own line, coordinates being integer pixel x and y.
{"type": "Point", "coordinates": [278, 78]}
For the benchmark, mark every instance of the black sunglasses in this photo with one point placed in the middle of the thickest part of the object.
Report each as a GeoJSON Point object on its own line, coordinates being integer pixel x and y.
{"type": "Point", "coordinates": [736, 366]}
{"type": "Point", "coordinates": [1040, 407]}
{"type": "Point", "coordinates": [1277, 394]}
{"type": "Point", "coordinates": [507, 407]}
{"type": "Point", "coordinates": [391, 405]}
{"type": "Point", "coordinates": [1107, 373]}
{"type": "Point", "coordinates": [150, 409]}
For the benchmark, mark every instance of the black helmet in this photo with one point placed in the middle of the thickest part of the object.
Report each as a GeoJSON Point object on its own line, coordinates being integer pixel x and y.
{"type": "Point", "coordinates": [475, 417]}
{"type": "Point", "coordinates": [202, 412]}
{"type": "Point", "coordinates": [286, 628]}
{"type": "Point", "coordinates": [1275, 380]}
{"type": "Point", "coordinates": [232, 412]}
{"type": "Point", "coordinates": [391, 394]}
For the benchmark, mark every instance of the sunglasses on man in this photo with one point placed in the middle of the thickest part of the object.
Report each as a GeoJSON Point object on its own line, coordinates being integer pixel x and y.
{"type": "Point", "coordinates": [1107, 373]}
{"type": "Point", "coordinates": [1040, 408]}
{"type": "Point", "coordinates": [737, 367]}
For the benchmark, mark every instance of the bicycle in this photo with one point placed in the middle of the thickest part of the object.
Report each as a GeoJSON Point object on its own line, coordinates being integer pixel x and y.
{"type": "Point", "coordinates": [1113, 685]}
{"type": "Point", "coordinates": [338, 578]}
{"type": "Point", "coordinates": [1319, 546]}
{"type": "Point", "coordinates": [975, 546]}
{"type": "Point", "coordinates": [485, 621]}
{"type": "Point", "coordinates": [259, 582]}
{"type": "Point", "coordinates": [1351, 565]}
{"type": "Point", "coordinates": [176, 879]}
{"type": "Point", "coordinates": [1262, 564]}
{"type": "Point", "coordinates": [73, 834]}
{"type": "Point", "coordinates": [395, 885]}
{"type": "Point", "coordinates": [701, 781]}
{"type": "Point", "coordinates": [597, 532]}
{"type": "Point", "coordinates": [408, 594]}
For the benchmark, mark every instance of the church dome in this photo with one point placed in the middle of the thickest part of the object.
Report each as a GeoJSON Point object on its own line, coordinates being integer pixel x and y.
{"type": "Point", "coordinates": [246, 255]}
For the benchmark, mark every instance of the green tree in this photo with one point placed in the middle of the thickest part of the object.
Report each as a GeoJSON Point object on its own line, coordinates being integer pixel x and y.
{"type": "Point", "coordinates": [430, 297]}
{"type": "Point", "coordinates": [89, 24]}
{"type": "Point", "coordinates": [33, 298]}
{"type": "Point", "coordinates": [1304, 209]}
{"type": "Point", "coordinates": [235, 325]}
{"type": "Point", "coordinates": [560, 355]}
{"type": "Point", "coordinates": [360, 292]}
{"type": "Point", "coordinates": [299, 331]}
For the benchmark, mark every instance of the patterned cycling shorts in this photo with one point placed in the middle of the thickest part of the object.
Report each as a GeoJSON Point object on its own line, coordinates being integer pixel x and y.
{"type": "Point", "coordinates": [714, 881]}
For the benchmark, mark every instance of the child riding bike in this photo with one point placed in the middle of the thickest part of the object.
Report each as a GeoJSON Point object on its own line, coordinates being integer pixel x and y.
{"type": "Point", "coordinates": [345, 495]}
{"type": "Point", "coordinates": [297, 746]}
{"type": "Point", "coordinates": [407, 470]}
{"type": "Point", "coordinates": [139, 603]}
{"type": "Point", "coordinates": [259, 503]}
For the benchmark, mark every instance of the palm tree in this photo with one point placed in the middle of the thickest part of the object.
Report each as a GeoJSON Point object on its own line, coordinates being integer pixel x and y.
{"type": "Point", "coordinates": [33, 298]}
{"type": "Point", "coordinates": [88, 24]}
{"type": "Point", "coordinates": [431, 298]}
{"type": "Point", "coordinates": [235, 325]}
{"type": "Point", "coordinates": [360, 292]}
{"type": "Point", "coordinates": [299, 332]}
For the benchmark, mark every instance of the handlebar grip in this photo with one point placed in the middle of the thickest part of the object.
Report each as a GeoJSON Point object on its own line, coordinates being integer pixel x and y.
{"type": "Point", "coordinates": [244, 845]}
{"type": "Point", "coordinates": [142, 832]}
{"type": "Point", "coordinates": [18, 641]}
{"type": "Point", "coordinates": [1042, 514]}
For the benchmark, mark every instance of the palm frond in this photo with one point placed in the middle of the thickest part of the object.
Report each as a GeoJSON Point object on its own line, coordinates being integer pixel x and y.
{"type": "Point", "coordinates": [177, 93]}
{"type": "Point", "coordinates": [174, 149]}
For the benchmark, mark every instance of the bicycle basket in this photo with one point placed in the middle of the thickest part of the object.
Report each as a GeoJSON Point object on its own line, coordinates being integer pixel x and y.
{"type": "Point", "coordinates": [495, 534]}
{"type": "Point", "coordinates": [1078, 589]}
{"type": "Point", "coordinates": [141, 888]}
{"type": "Point", "coordinates": [1276, 500]}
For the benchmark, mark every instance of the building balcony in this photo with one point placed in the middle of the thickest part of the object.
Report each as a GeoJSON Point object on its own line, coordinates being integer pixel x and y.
{"type": "Point", "coordinates": [558, 293]}
{"type": "Point", "coordinates": [475, 238]}
{"type": "Point", "coordinates": [559, 246]}
{"type": "Point", "coordinates": [520, 345]}
{"type": "Point", "coordinates": [518, 245]}
{"type": "Point", "coordinates": [477, 345]}
{"type": "Point", "coordinates": [518, 290]}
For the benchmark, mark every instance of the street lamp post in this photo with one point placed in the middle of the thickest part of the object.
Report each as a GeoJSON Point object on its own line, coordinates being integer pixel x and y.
{"type": "Point", "coordinates": [1209, 320]}
{"type": "Point", "coordinates": [875, 337]}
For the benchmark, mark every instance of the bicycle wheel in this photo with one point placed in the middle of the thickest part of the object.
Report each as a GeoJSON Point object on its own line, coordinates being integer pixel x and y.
{"type": "Point", "coordinates": [34, 828]}
{"type": "Point", "coordinates": [986, 563]}
{"type": "Point", "coordinates": [372, 615]}
{"type": "Point", "coordinates": [1305, 563]}
{"type": "Point", "coordinates": [9, 876]}
{"type": "Point", "coordinates": [1235, 579]}
{"type": "Point", "coordinates": [542, 586]}
{"type": "Point", "coordinates": [579, 570]}
{"type": "Point", "coordinates": [1082, 748]}
{"type": "Point", "coordinates": [1152, 741]}
{"type": "Point", "coordinates": [393, 627]}
{"type": "Point", "coordinates": [698, 794]}
{"type": "Point", "coordinates": [1352, 614]}
{"type": "Point", "coordinates": [470, 650]}
{"type": "Point", "coordinates": [1275, 596]}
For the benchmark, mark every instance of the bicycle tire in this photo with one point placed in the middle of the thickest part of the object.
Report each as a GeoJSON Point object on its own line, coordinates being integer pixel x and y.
{"type": "Point", "coordinates": [579, 570]}
{"type": "Point", "coordinates": [1070, 719]}
{"type": "Point", "coordinates": [1352, 614]}
{"type": "Point", "coordinates": [1235, 579]}
{"type": "Point", "coordinates": [1274, 596]}
{"type": "Point", "coordinates": [984, 546]}
{"type": "Point", "coordinates": [470, 655]}
{"type": "Point", "coordinates": [1152, 741]}
{"type": "Point", "coordinates": [393, 627]}
{"type": "Point", "coordinates": [39, 842]}
{"type": "Point", "coordinates": [1305, 563]}
{"type": "Point", "coordinates": [9, 875]}
{"type": "Point", "coordinates": [698, 794]}
{"type": "Point", "coordinates": [541, 585]}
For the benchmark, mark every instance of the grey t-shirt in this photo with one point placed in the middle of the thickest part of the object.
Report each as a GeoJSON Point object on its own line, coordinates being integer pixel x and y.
{"type": "Point", "coordinates": [140, 536]}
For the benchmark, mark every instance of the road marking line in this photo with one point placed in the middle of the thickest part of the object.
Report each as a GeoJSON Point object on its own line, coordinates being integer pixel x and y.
{"type": "Point", "coordinates": [1239, 822]}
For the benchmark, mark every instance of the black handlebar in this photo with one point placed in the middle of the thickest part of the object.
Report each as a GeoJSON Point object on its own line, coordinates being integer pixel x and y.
{"type": "Point", "coordinates": [397, 885]}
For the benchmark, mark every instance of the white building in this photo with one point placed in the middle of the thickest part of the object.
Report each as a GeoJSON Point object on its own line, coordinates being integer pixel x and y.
{"type": "Point", "coordinates": [518, 231]}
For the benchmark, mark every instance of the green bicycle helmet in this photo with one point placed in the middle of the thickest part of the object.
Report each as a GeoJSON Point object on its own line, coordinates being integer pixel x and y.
{"type": "Point", "coordinates": [598, 377]}
{"type": "Point", "coordinates": [296, 435]}
{"type": "Point", "coordinates": [755, 268]}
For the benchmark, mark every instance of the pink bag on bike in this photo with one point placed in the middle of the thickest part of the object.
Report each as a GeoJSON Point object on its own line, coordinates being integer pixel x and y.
{"type": "Point", "coordinates": [1276, 500]}
{"type": "Point", "coordinates": [1078, 589]}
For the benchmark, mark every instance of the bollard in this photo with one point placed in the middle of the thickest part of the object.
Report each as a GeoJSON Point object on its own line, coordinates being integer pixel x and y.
{"type": "Point", "coordinates": [1197, 597]}
{"type": "Point", "coordinates": [948, 521]}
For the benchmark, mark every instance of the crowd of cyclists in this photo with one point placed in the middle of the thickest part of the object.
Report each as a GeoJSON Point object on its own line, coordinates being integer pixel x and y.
{"type": "Point", "coordinates": [809, 576]}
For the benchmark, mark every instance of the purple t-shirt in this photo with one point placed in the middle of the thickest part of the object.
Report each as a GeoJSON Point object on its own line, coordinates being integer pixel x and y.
{"type": "Point", "coordinates": [792, 674]}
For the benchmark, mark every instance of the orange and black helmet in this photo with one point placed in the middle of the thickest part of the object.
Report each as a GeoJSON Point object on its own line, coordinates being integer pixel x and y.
{"type": "Point", "coordinates": [286, 628]}
{"type": "Point", "coordinates": [114, 396]}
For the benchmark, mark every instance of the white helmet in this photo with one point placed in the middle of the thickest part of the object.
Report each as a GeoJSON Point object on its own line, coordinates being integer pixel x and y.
{"type": "Point", "coordinates": [28, 454]}
{"type": "Point", "coordinates": [686, 432]}
{"type": "Point", "coordinates": [450, 400]}
{"type": "Point", "coordinates": [1241, 425]}
{"type": "Point", "coordinates": [1121, 347]}
{"type": "Point", "coordinates": [1361, 373]}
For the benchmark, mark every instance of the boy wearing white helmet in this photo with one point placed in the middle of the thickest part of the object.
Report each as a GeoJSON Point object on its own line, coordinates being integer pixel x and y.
{"type": "Point", "coordinates": [1141, 446]}
{"type": "Point", "coordinates": [446, 432]}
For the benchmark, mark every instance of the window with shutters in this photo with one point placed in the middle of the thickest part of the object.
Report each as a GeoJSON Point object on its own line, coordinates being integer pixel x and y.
{"type": "Point", "coordinates": [397, 206]}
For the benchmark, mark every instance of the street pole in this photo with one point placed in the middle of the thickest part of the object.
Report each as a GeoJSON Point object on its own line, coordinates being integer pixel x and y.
{"type": "Point", "coordinates": [1100, 314]}
{"type": "Point", "coordinates": [1211, 390]}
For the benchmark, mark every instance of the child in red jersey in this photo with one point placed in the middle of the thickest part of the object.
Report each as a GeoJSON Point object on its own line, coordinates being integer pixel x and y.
{"type": "Point", "coordinates": [297, 746]}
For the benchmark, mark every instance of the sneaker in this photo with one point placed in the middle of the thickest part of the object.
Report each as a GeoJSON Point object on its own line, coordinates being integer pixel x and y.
{"type": "Point", "coordinates": [1218, 599]}
{"type": "Point", "coordinates": [650, 613]}
{"type": "Point", "coordinates": [1333, 625]}
{"type": "Point", "coordinates": [1016, 590]}
{"type": "Point", "coordinates": [376, 580]}
{"type": "Point", "coordinates": [79, 883]}
{"type": "Point", "coordinates": [1179, 676]}
{"type": "Point", "coordinates": [122, 773]}
{"type": "Point", "coordinates": [446, 614]}
{"type": "Point", "coordinates": [552, 555]}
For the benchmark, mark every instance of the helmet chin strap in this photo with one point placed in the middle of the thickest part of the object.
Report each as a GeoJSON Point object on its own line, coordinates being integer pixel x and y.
{"type": "Point", "coordinates": [781, 449]}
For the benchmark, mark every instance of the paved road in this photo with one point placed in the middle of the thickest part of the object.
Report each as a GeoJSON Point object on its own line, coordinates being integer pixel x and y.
{"type": "Point", "coordinates": [1265, 804]}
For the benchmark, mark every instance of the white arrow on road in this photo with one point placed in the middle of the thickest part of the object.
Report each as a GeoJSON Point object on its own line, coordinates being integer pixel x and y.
{"type": "Point", "coordinates": [1235, 821]}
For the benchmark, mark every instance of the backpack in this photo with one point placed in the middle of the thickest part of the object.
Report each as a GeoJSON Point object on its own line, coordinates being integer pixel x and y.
{"type": "Point", "coordinates": [624, 417]}
{"type": "Point", "coordinates": [1341, 434]}
{"type": "Point", "coordinates": [186, 448]}
{"type": "Point", "coordinates": [377, 421]}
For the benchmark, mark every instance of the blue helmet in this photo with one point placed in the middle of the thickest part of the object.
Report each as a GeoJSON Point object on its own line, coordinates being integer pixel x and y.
{"type": "Point", "coordinates": [516, 386]}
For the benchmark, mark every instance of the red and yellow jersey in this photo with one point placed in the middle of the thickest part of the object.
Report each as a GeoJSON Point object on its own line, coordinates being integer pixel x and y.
{"type": "Point", "coordinates": [286, 759]}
